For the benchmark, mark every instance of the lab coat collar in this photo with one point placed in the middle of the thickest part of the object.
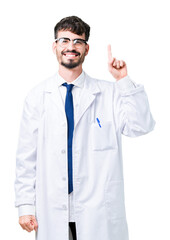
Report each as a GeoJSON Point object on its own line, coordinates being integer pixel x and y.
{"type": "Point", "coordinates": [89, 84]}
{"type": "Point", "coordinates": [90, 90]}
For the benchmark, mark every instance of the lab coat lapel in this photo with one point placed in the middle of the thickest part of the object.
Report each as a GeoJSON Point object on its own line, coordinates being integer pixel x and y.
{"type": "Point", "coordinates": [53, 90]}
{"type": "Point", "coordinates": [91, 88]}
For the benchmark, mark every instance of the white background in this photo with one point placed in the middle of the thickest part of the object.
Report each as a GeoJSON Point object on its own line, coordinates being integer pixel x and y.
{"type": "Point", "coordinates": [139, 34]}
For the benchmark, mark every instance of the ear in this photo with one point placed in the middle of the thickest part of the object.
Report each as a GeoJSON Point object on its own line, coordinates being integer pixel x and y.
{"type": "Point", "coordinates": [87, 49]}
{"type": "Point", "coordinates": [54, 47]}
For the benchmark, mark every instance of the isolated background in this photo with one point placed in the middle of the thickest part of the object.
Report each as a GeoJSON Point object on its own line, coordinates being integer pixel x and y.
{"type": "Point", "coordinates": [139, 34]}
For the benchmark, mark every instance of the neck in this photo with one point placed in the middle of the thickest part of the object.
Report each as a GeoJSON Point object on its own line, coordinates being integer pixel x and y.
{"type": "Point", "coordinates": [69, 74]}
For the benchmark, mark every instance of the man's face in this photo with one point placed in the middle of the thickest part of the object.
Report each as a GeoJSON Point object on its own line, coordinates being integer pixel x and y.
{"type": "Point", "coordinates": [70, 56]}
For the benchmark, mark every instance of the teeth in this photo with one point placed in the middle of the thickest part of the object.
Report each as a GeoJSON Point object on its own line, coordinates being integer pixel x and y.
{"type": "Point", "coordinates": [70, 55]}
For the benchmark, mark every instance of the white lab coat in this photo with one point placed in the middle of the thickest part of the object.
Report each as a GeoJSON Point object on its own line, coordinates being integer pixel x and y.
{"type": "Point", "coordinates": [41, 165]}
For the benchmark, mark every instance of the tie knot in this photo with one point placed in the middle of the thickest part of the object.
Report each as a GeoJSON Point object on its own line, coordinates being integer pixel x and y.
{"type": "Point", "coordinates": [68, 86]}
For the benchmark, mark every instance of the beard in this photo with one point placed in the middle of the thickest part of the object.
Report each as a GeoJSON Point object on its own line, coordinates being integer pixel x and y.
{"type": "Point", "coordinates": [71, 62]}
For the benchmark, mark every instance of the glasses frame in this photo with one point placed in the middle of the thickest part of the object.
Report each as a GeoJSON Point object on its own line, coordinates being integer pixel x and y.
{"type": "Point", "coordinates": [73, 40]}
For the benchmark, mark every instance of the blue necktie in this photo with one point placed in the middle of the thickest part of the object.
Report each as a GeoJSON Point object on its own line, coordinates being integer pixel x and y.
{"type": "Point", "coordinates": [70, 121]}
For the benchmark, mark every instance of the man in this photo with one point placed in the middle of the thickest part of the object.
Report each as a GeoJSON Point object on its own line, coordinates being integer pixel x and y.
{"type": "Point", "coordinates": [69, 169]}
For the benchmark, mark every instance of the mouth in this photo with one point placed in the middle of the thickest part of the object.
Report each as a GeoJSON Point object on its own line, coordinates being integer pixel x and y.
{"type": "Point", "coordinates": [71, 55]}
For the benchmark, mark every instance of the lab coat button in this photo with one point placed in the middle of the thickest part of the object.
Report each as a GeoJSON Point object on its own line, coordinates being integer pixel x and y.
{"type": "Point", "coordinates": [64, 178]}
{"type": "Point", "coordinates": [63, 151]}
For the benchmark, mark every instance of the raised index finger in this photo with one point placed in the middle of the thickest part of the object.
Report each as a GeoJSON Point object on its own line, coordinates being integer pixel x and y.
{"type": "Point", "coordinates": [110, 58]}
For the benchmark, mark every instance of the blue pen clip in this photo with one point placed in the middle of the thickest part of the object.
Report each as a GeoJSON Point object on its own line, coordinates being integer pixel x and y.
{"type": "Point", "coordinates": [98, 122]}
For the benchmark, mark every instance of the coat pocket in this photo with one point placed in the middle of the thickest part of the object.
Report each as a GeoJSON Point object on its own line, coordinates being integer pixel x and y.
{"type": "Point", "coordinates": [114, 200]}
{"type": "Point", "coordinates": [103, 136]}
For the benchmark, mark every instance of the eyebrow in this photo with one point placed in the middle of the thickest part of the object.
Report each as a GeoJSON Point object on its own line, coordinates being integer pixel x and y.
{"type": "Point", "coordinates": [72, 39]}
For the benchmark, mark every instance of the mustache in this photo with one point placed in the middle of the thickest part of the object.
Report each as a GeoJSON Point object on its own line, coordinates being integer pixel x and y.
{"type": "Point", "coordinates": [73, 51]}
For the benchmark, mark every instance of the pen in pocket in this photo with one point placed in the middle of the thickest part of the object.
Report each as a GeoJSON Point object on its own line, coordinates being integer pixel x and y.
{"type": "Point", "coordinates": [98, 122]}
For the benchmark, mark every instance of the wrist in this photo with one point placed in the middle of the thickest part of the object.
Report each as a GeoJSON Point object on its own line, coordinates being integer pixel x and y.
{"type": "Point", "coordinates": [118, 78]}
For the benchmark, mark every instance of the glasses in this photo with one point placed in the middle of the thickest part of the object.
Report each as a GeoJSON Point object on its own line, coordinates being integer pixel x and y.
{"type": "Point", "coordinates": [64, 42]}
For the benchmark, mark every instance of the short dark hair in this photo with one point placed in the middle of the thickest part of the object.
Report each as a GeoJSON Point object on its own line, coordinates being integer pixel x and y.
{"type": "Point", "coordinates": [73, 24]}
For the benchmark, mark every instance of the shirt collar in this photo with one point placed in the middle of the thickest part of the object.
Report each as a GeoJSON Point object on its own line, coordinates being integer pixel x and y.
{"type": "Point", "coordinates": [79, 82]}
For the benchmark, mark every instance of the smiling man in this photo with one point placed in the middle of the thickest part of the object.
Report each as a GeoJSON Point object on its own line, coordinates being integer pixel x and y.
{"type": "Point", "coordinates": [69, 171]}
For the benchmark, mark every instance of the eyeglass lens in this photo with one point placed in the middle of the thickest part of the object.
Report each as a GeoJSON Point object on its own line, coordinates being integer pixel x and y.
{"type": "Point", "coordinates": [65, 41]}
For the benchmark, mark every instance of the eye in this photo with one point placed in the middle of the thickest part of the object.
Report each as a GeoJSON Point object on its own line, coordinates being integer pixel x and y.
{"type": "Point", "coordinates": [78, 41]}
{"type": "Point", "coordinates": [64, 40]}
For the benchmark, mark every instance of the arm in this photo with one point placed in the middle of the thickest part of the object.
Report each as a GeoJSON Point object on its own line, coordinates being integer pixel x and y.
{"type": "Point", "coordinates": [131, 104]}
{"type": "Point", "coordinates": [132, 108]}
{"type": "Point", "coordinates": [26, 166]}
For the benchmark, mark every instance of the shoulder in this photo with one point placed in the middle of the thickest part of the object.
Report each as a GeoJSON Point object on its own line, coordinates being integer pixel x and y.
{"type": "Point", "coordinates": [43, 85]}
{"type": "Point", "coordinates": [36, 93]}
{"type": "Point", "coordinates": [101, 83]}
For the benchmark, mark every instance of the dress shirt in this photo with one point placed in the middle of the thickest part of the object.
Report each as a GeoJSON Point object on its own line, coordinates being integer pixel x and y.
{"type": "Point", "coordinates": [76, 92]}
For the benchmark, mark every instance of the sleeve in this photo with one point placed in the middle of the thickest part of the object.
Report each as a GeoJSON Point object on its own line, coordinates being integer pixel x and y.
{"type": "Point", "coordinates": [131, 108]}
{"type": "Point", "coordinates": [26, 210]}
{"type": "Point", "coordinates": [25, 181]}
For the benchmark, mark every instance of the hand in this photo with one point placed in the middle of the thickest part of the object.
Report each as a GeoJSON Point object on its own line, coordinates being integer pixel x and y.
{"type": "Point", "coordinates": [28, 223]}
{"type": "Point", "coordinates": [116, 67]}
